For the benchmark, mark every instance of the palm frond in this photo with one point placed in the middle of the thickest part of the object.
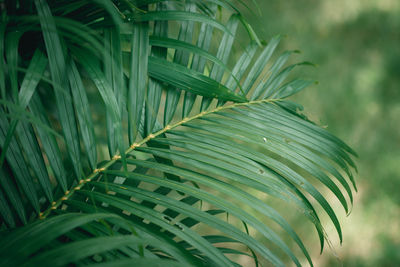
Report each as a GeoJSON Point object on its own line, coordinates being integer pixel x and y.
{"type": "Point", "coordinates": [99, 76]}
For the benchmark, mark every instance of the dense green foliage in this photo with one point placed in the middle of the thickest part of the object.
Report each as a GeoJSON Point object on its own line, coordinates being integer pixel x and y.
{"type": "Point", "coordinates": [143, 132]}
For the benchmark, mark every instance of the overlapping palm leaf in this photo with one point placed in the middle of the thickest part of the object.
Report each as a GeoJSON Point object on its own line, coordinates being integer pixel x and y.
{"type": "Point", "coordinates": [190, 138]}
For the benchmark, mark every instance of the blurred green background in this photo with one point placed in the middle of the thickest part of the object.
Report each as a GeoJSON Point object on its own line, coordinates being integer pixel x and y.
{"type": "Point", "coordinates": [356, 45]}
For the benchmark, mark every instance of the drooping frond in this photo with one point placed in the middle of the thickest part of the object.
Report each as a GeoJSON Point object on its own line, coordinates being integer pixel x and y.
{"type": "Point", "coordinates": [125, 131]}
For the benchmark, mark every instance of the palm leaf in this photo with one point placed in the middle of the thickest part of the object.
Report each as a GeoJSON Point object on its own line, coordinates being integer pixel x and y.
{"type": "Point", "coordinates": [108, 72]}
